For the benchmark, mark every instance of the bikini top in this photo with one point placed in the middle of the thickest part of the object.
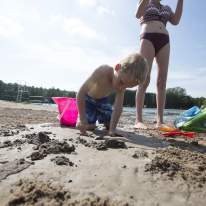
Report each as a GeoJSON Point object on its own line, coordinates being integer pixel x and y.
{"type": "Point", "coordinates": [156, 13]}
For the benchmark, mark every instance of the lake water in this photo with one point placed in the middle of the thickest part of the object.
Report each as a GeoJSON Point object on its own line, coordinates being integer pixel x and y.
{"type": "Point", "coordinates": [127, 119]}
{"type": "Point", "coordinates": [149, 114]}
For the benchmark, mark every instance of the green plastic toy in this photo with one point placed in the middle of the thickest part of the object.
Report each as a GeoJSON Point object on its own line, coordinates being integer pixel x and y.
{"type": "Point", "coordinates": [197, 124]}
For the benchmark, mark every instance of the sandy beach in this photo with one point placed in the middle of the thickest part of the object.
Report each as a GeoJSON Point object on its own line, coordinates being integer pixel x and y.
{"type": "Point", "coordinates": [42, 163]}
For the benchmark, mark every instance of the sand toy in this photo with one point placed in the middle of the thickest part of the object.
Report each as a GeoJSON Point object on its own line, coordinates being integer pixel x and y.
{"type": "Point", "coordinates": [168, 129]}
{"type": "Point", "coordinates": [190, 135]}
{"type": "Point", "coordinates": [197, 124]}
{"type": "Point", "coordinates": [68, 111]}
{"type": "Point", "coordinates": [186, 116]}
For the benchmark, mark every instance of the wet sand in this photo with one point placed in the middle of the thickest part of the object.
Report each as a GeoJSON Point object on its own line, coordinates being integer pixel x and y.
{"type": "Point", "coordinates": [42, 163]}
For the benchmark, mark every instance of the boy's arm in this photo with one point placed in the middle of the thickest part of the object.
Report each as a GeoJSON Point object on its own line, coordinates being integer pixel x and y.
{"type": "Point", "coordinates": [82, 125]}
{"type": "Point", "coordinates": [81, 102]}
{"type": "Point", "coordinates": [118, 104]}
{"type": "Point", "coordinates": [83, 91]}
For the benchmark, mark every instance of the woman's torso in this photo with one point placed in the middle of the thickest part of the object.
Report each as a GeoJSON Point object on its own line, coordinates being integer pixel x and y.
{"type": "Point", "coordinates": [154, 27]}
{"type": "Point", "coordinates": [155, 18]}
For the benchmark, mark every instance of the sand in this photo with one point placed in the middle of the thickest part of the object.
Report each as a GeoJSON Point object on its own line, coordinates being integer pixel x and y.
{"type": "Point", "coordinates": [42, 163]}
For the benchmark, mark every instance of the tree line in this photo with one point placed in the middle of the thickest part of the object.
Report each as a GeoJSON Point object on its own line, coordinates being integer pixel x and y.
{"type": "Point", "coordinates": [177, 97]}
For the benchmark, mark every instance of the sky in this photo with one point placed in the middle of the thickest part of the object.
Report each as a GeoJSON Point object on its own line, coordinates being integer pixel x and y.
{"type": "Point", "coordinates": [58, 43]}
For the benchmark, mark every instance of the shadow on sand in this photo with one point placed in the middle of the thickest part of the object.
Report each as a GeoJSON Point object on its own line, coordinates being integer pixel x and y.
{"type": "Point", "coordinates": [153, 142]}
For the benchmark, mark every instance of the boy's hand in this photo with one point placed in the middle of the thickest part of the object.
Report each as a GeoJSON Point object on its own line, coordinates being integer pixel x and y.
{"type": "Point", "coordinates": [112, 133]}
{"type": "Point", "coordinates": [115, 133]}
{"type": "Point", "coordinates": [82, 127]}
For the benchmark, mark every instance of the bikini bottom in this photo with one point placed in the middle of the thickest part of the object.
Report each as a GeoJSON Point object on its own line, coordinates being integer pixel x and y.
{"type": "Point", "coordinates": [157, 39]}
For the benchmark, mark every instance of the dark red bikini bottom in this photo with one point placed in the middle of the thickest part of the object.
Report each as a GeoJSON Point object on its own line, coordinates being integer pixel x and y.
{"type": "Point", "coordinates": [158, 40]}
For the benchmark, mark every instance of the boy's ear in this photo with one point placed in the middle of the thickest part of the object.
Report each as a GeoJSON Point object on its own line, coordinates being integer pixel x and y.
{"type": "Point", "coordinates": [118, 67]}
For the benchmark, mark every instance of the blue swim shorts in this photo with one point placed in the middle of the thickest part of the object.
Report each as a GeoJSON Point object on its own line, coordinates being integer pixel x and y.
{"type": "Point", "coordinates": [98, 109]}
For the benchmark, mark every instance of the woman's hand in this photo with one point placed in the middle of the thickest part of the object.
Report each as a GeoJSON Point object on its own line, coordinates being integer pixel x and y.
{"type": "Point", "coordinates": [175, 19]}
{"type": "Point", "coordinates": [141, 8]}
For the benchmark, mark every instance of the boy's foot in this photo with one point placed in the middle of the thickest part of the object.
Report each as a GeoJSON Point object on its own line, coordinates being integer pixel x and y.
{"type": "Point", "coordinates": [140, 125]}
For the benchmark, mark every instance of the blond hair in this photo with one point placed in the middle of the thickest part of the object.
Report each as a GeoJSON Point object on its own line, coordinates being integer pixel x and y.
{"type": "Point", "coordinates": [136, 66]}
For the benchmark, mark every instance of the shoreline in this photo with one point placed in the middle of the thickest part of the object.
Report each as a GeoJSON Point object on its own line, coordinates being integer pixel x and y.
{"type": "Point", "coordinates": [138, 169]}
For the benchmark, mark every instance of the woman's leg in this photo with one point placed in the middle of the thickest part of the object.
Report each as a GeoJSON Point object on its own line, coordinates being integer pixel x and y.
{"type": "Point", "coordinates": [147, 50]}
{"type": "Point", "coordinates": [162, 59]}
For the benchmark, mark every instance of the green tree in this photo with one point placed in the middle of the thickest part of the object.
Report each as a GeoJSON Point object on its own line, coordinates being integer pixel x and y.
{"type": "Point", "coordinates": [176, 97]}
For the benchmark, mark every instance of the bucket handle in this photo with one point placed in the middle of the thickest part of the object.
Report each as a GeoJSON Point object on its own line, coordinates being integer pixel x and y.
{"type": "Point", "coordinates": [65, 108]}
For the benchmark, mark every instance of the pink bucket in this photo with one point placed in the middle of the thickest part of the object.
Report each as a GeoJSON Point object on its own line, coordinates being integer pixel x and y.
{"type": "Point", "coordinates": [68, 111]}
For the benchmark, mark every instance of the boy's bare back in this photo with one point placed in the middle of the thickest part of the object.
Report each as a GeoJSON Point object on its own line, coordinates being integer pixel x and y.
{"type": "Point", "coordinates": [100, 83]}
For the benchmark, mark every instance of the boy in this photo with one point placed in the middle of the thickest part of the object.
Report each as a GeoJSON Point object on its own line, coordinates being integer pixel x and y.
{"type": "Point", "coordinates": [93, 95]}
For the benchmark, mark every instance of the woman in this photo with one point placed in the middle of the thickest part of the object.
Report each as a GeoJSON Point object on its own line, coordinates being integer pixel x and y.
{"type": "Point", "coordinates": [155, 43]}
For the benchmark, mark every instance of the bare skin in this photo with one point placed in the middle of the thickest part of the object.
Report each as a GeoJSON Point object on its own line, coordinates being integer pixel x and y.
{"type": "Point", "coordinates": [162, 60]}
{"type": "Point", "coordinates": [147, 50]}
{"type": "Point", "coordinates": [101, 83]}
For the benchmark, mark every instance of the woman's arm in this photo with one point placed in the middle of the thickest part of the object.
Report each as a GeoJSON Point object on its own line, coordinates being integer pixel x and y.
{"type": "Point", "coordinates": [141, 8]}
{"type": "Point", "coordinates": [175, 19]}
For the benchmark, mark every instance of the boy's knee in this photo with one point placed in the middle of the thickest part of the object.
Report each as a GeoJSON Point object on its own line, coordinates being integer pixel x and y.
{"type": "Point", "coordinates": [91, 126]}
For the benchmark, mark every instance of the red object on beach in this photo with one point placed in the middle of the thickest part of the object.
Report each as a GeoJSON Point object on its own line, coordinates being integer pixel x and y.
{"type": "Point", "coordinates": [186, 134]}
{"type": "Point", "coordinates": [68, 111]}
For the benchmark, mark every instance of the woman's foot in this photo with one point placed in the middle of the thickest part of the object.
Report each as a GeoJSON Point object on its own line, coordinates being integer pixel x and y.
{"type": "Point", "coordinates": [140, 125]}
